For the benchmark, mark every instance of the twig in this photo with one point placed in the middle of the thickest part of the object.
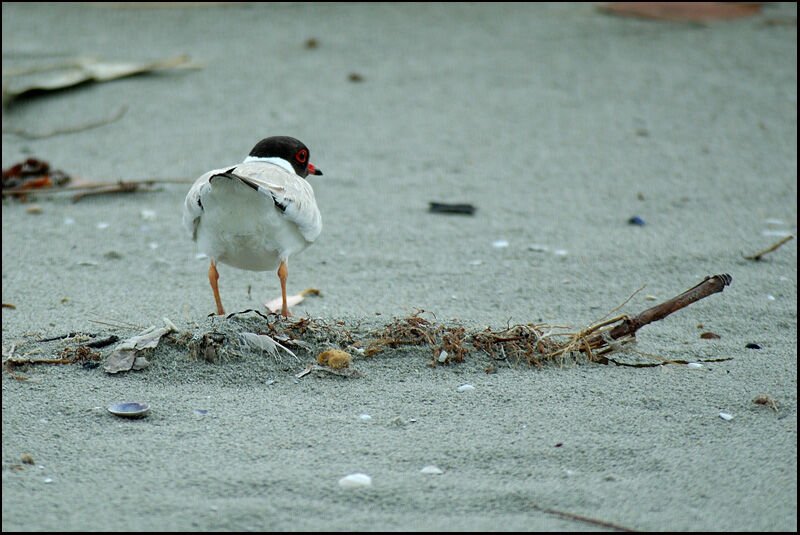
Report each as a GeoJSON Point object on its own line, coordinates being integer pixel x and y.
{"type": "Point", "coordinates": [709, 286]}
{"type": "Point", "coordinates": [765, 251]}
{"type": "Point", "coordinates": [69, 130]}
{"type": "Point", "coordinates": [572, 516]}
{"type": "Point", "coordinates": [96, 185]}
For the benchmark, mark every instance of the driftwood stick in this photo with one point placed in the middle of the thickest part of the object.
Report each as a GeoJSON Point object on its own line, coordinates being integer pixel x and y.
{"type": "Point", "coordinates": [709, 286]}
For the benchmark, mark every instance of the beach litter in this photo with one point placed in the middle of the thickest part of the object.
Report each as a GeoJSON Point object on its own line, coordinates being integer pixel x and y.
{"type": "Point", "coordinates": [451, 208]}
{"type": "Point", "coordinates": [636, 220]}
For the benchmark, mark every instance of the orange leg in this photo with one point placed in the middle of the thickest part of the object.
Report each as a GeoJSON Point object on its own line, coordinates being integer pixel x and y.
{"type": "Point", "coordinates": [283, 272]}
{"type": "Point", "coordinates": [213, 277]}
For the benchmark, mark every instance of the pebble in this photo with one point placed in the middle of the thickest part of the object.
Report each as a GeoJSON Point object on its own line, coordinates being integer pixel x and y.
{"type": "Point", "coordinates": [770, 297]}
{"type": "Point", "coordinates": [443, 356]}
{"type": "Point", "coordinates": [364, 417]}
{"type": "Point", "coordinates": [694, 365]}
{"type": "Point", "coordinates": [354, 481]}
{"type": "Point", "coordinates": [537, 248]}
{"type": "Point", "coordinates": [101, 225]}
{"type": "Point", "coordinates": [560, 252]}
{"type": "Point", "coordinates": [465, 387]}
{"type": "Point", "coordinates": [500, 243]}
{"type": "Point", "coordinates": [636, 220]}
{"type": "Point", "coordinates": [431, 469]}
{"type": "Point", "coordinates": [751, 345]}
{"type": "Point", "coordinates": [725, 416]}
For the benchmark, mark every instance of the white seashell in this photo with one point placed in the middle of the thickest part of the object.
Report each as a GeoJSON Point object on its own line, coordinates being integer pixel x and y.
{"type": "Point", "coordinates": [171, 326]}
{"type": "Point", "coordinates": [560, 252]}
{"type": "Point", "coordinates": [101, 225]}
{"type": "Point", "coordinates": [726, 416]}
{"type": "Point", "coordinates": [365, 417]}
{"type": "Point", "coordinates": [778, 233]}
{"type": "Point", "coordinates": [148, 215]}
{"type": "Point", "coordinates": [48, 480]}
{"type": "Point", "coordinates": [443, 356]}
{"type": "Point", "coordinates": [431, 469]}
{"type": "Point", "coordinates": [694, 365]}
{"type": "Point", "coordinates": [651, 297]}
{"type": "Point", "coordinates": [771, 297]}
{"type": "Point", "coordinates": [465, 387]}
{"type": "Point", "coordinates": [129, 410]}
{"type": "Point", "coordinates": [475, 262]}
{"type": "Point", "coordinates": [500, 243]}
{"type": "Point", "coordinates": [354, 481]}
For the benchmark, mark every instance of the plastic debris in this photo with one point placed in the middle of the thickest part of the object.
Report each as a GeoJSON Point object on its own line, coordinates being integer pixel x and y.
{"type": "Point", "coordinates": [636, 220]}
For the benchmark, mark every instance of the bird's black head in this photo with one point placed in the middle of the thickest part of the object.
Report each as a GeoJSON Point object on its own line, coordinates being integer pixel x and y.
{"type": "Point", "coordinates": [287, 148]}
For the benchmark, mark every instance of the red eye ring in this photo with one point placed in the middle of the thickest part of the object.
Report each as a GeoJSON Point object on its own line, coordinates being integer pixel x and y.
{"type": "Point", "coordinates": [302, 156]}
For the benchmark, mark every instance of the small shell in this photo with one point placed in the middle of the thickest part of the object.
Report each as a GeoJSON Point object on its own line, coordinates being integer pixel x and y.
{"type": "Point", "coordinates": [464, 388]}
{"type": "Point", "coordinates": [725, 416]}
{"type": "Point", "coordinates": [357, 480]}
{"type": "Point", "coordinates": [129, 410]}
{"type": "Point", "coordinates": [431, 469]}
{"type": "Point", "coordinates": [694, 365]}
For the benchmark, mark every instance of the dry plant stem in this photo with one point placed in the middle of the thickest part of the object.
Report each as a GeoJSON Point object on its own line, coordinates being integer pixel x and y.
{"type": "Point", "coordinates": [580, 518]}
{"type": "Point", "coordinates": [765, 251]}
{"type": "Point", "coordinates": [94, 186]}
{"type": "Point", "coordinates": [71, 130]}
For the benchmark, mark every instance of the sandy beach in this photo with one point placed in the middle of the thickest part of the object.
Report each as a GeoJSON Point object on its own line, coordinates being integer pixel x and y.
{"type": "Point", "coordinates": [557, 122]}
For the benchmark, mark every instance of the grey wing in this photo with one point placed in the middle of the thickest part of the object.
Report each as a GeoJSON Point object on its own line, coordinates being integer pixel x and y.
{"type": "Point", "coordinates": [292, 194]}
{"type": "Point", "coordinates": [193, 206]}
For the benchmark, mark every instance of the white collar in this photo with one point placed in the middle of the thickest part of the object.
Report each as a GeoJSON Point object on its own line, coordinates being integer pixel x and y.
{"type": "Point", "coordinates": [274, 159]}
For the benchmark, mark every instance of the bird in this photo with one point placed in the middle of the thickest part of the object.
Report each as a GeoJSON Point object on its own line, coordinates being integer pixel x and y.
{"type": "Point", "coordinates": [255, 214]}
